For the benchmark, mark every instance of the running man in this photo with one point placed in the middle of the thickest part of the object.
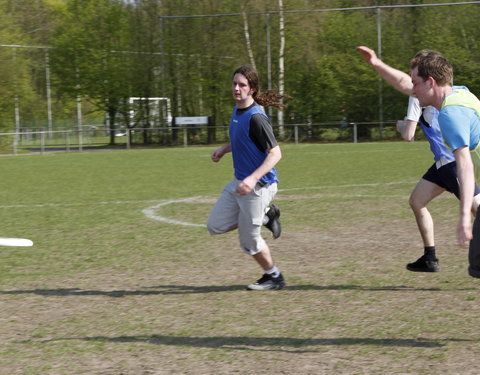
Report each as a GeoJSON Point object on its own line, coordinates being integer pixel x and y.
{"type": "Point", "coordinates": [459, 119]}
{"type": "Point", "coordinates": [440, 177]}
{"type": "Point", "coordinates": [245, 201]}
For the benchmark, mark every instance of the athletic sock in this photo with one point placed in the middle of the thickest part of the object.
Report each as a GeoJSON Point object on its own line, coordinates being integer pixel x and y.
{"type": "Point", "coordinates": [274, 271]}
{"type": "Point", "coordinates": [266, 219]}
{"type": "Point", "coordinates": [430, 252]}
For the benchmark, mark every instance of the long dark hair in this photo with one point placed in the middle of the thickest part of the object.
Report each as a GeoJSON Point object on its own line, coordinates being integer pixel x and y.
{"type": "Point", "coordinates": [268, 98]}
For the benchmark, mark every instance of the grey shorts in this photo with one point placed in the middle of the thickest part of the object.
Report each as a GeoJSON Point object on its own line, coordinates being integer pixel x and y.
{"type": "Point", "coordinates": [246, 212]}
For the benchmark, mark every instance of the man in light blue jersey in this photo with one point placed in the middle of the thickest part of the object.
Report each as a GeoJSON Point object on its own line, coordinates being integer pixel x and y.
{"type": "Point", "coordinates": [459, 119]}
{"type": "Point", "coordinates": [245, 201]}
{"type": "Point", "coordinates": [440, 177]}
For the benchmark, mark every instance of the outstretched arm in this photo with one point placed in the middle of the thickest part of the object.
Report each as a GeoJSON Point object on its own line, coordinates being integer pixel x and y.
{"type": "Point", "coordinates": [400, 81]}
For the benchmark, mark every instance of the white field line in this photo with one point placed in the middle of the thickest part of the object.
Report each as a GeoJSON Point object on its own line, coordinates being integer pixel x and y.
{"type": "Point", "coordinates": [41, 205]}
{"type": "Point", "coordinates": [151, 211]}
{"type": "Point", "coordinates": [349, 186]}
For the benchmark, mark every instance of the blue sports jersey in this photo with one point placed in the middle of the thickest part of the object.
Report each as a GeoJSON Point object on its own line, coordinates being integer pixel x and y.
{"type": "Point", "coordinates": [246, 155]}
{"type": "Point", "coordinates": [434, 136]}
{"type": "Point", "coordinates": [428, 120]}
{"type": "Point", "coordinates": [459, 119]}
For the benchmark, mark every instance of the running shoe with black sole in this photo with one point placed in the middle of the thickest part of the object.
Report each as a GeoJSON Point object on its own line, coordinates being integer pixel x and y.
{"type": "Point", "coordinates": [423, 264]}
{"type": "Point", "coordinates": [268, 282]}
{"type": "Point", "coordinates": [273, 224]}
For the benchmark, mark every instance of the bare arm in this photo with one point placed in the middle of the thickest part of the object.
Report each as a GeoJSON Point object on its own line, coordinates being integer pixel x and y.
{"type": "Point", "coordinates": [407, 129]}
{"type": "Point", "coordinates": [219, 152]}
{"type": "Point", "coordinates": [466, 182]}
{"type": "Point", "coordinates": [273, 157]}
{"type": "Point", "coordinates": [400, 81]}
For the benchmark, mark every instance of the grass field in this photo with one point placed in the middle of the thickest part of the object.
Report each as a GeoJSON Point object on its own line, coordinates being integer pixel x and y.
{"type": "Point", "coordinates": [109, 289]}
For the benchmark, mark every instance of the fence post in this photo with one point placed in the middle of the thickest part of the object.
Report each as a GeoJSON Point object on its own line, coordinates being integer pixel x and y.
{"type": "Point", "coordinates": [42, 142]}
{"type": "Point", "coordinates": [67, 141]}
{"type": "Point", "coordinates": [295, 132]}
{"type": "Point", "coordinates": [355, 139]}
{"type": "Point", "coordinates": [80, 139]}
{"type": "Point", "coordinates": [15, 142]}
{"type": "Point", "coordinates": [127, 133]}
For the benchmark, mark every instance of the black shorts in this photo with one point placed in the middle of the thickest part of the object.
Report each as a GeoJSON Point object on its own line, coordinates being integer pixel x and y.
{"type": "Point", "coordinates": [446, 177]}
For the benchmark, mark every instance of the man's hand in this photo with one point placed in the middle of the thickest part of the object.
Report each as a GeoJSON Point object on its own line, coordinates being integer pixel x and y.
{"type": "Point", "coordinates": [400, 81]}
{"type": "Point", "coordinates": [217, 155]}
{"type": "Point", "coordinates": [464, 231]}
{"type": "Point", "coordinates": [219, 152]}
{"type": "Point", "coordinates": [246, 186]}
{"type": "Point", "coordinates": [368, 55]}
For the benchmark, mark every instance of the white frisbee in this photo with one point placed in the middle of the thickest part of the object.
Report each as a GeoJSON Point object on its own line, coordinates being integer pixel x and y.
{"type": "Point", "coordinates": [15, 242]}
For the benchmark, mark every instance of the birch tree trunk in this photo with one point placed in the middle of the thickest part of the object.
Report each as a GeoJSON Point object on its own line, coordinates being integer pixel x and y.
{"type": "Point", "coordinates": [246, 33]}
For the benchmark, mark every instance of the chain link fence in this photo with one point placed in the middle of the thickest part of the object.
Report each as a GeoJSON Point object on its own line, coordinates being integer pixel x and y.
{"type": "Point", "coordinates": [97, 137]}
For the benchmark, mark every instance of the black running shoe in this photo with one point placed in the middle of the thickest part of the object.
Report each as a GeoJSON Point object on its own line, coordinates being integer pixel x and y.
{"type": "Point", "coordinates": [273, 224]}
{"type": "Point", "coordinates": [423, 264]}
{"type": "Point", "coordinates": [268, 282]}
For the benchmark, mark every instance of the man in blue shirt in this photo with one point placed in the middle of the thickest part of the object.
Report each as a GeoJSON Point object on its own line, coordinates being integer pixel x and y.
{"type": "Point", "coordinates": [443, 173]}
{"type": "Point", "coordinates": [459, 119]}
{"type": "Point", "coordinates": [245, 201]}
{"type": "Point", "coordinates": [440, 177]}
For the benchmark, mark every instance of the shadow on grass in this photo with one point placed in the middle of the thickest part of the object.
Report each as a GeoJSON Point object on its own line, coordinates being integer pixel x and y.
{"type": "Point", "coordinates": [165, 290]}
{"type": "Point", "coordinates": [190, 289]}
{"type": "Point", "coordinates": [283, 344]}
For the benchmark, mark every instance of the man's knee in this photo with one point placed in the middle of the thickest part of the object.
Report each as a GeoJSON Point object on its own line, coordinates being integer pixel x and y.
{"type": "Point", "coordinates": [415, 203]}
{"type": "Point", "coordinates": [213, 227]}
{"type": "Point", "coordinates": [253, 245]}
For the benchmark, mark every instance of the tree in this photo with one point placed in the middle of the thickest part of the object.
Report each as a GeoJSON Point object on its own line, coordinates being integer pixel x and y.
{"type": "Point", "coordinates": [105, 51]}
{"type": "Point", "coordinates": [16, 88]}
{"type": "Point", "coordinates": [246, 33]}
{"type": "Point", "coordinates": [91, 59]}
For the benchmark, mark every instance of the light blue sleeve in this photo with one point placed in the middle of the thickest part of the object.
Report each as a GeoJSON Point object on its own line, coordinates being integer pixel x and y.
{"type": "Point", "coordinates": [454, 123]}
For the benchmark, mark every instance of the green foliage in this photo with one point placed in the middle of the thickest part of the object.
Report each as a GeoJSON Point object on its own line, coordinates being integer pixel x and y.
{"type": "Point", "coordinates": [90, 45]}
{"type": "Point", "coordinates": [15, 77]}
{"type": "Point", "coordinates": [105, 51]}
